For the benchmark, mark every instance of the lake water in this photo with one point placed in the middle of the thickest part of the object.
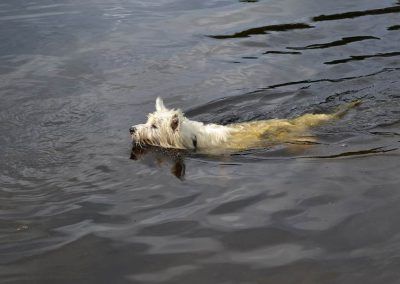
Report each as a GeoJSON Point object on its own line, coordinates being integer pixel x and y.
{"type": "Point", "coordinates": [77, 205]}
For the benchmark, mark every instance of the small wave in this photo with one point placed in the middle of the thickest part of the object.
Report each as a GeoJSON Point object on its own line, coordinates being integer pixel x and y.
{"type": "Point", "coordinates": [343, 41]}
{"type": "Point", "coordinates": [281, 52]}
{"type": "Point", "coordinates": [264, 30]}
{"type": "Point", "coordinates": [362, 57]}
{"type": "Point", "coordinates": [38, 15]}
{"type": "Point", "coordinates": [394, 28]}
{"type": "Point", "coordinates": [355, 14]}
{"type": "Point", "coordinates": [373, 151]}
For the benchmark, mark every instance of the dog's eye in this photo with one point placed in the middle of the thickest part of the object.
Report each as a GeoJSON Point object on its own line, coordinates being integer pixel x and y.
{"type": "Point", "coordinates": [154, 126]}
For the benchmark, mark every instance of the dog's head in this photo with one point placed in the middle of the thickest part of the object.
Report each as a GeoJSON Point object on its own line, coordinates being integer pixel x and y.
{"type": "Point", "coordinates": [161, 129]}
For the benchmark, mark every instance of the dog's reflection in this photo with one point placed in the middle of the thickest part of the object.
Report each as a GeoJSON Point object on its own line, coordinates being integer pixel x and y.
{"type": "Point", "coordinates": [174, 159]}
{"type": "Point", "coordinates": [160, 157]}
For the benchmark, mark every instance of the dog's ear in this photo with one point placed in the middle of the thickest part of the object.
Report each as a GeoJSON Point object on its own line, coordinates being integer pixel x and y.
{"type": "Point", "coordinates": [174, 122]}
{"type": "Point", "coordinates": [160, 104]}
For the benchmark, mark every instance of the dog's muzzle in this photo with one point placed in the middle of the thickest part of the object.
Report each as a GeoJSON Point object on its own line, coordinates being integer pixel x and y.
{"type": "Point", "coordinates": [132, 130]}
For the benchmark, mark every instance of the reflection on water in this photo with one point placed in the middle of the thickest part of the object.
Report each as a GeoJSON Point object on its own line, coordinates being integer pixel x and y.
{"type": "Point", "coordinates": [343, 41]}
{"type": "Point", "coordinates": [362, 57]}
{"type": "Point", "coordinates": [75, 75]}
{"type": "Point", "coordinates": [158, 156]}
{"type": "Point", "coordinates": [264, 30]}
{"type": "Point", "coordinates": [393, 28]}
{"type": "Point", "coordinates": [355, 14]}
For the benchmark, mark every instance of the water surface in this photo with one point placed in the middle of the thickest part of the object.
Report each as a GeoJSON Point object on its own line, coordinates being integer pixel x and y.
{"type": "Point", "coordinates": [77, 205]}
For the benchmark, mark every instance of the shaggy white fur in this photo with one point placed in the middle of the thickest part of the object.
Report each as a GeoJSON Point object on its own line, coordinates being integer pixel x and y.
{"type": "Point", "coordinates": [169, 128]}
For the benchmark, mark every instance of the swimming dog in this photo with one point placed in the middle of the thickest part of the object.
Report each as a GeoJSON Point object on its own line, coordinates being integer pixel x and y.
{"type": "Point", "coordinates": [169, 128]}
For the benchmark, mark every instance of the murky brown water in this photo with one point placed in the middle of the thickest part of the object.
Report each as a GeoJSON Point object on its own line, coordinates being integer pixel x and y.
{"type": "Point", "coordinates": [77, 205]}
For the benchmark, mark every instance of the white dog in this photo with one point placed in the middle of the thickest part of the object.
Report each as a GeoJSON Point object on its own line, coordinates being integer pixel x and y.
{"type": "Point", "coordinates": [169, 128]}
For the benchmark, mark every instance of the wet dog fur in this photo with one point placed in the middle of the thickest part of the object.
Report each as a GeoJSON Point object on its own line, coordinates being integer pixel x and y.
{"type": "Point", "coordinates": [169, 128]}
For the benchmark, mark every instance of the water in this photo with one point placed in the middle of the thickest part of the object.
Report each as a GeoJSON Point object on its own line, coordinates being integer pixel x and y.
{"type": "Point", "coordinates": [77, 205]}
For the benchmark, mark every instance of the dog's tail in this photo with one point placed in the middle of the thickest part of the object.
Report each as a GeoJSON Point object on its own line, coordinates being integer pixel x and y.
{"type": "Point", "coordinates": [345, 108]}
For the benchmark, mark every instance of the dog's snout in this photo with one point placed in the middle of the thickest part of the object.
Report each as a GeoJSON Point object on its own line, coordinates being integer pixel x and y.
{"type": "Point", "coordinates": [132, 129]}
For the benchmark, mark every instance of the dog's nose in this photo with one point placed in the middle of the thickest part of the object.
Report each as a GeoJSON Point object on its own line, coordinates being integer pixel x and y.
{"type": "Point", "coordinates": [132, 129]}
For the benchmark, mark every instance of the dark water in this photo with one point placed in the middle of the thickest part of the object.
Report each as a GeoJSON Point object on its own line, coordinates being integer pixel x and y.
{"type": "Point", "coordinates": [74, 208]}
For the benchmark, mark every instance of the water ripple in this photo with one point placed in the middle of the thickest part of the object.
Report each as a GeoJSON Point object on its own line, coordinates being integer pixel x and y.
{"type": "Point", "coordinates": [264, 30]}
{"type": "Point", "coordinates": [37, 15]}
{"type": "Point", "coordinates": [362, 57]}
{"type": "Point", "coordinates": [343, 41]}
{"type": "Point", "coordinates": [73, 80]}
{"type": "Point", "coordinates": [356, 14]}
